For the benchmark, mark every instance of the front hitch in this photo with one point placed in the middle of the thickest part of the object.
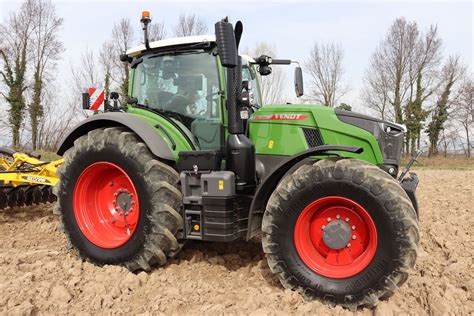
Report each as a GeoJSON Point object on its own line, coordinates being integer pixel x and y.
{"type": "Point", "coordinates": [410, 183]}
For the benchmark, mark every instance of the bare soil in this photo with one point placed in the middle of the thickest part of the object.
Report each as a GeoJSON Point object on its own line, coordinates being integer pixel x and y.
{"type": "Point", "coordinates": [39, 274]}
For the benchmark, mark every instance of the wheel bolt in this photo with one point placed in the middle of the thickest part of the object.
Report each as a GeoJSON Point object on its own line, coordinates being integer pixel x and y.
{"type": "Point", "coordinates": [115, 194]}
{"type": "Point", "coordinates": [323, 227]}
{"type": "Point", "coordinates": [354, 236]}
{"type": "Point", "coordinates": [133, 202]}
{"type": "Point", "coordinates": [348, 245]}
{"type": "Point", "coordinates": [338, 216]}
{"type": "Point", "coordinates": [131, 209]}
{"type": "Point", "coordinates": [114, 202]}
{"type": "Point", "coordinates": [347, 219]}
{"type": "Point", "coordinates": [353, 226]}
{"type": "Point", "coordinates": [329, 219]}
{"type": "Point", "coordinates": [121, 213]}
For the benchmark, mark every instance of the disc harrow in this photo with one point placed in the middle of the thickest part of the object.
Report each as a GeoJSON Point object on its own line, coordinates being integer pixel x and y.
{"type": "Point", "coordinates": [25, 180]}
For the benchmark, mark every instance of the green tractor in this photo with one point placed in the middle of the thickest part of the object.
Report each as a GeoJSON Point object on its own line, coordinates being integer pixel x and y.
{"type": "Point", "coordinates": [193, 155]}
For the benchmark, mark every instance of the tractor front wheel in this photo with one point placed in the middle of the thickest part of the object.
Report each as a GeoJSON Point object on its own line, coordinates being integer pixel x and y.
{"type": "Point", "coordinates": [340, 230]}
{"type": "Point", "coordinates": [118, 204]}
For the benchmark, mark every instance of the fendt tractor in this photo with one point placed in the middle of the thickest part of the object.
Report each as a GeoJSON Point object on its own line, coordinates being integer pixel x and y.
{"type": "Point", "coordinates": [193, 154]}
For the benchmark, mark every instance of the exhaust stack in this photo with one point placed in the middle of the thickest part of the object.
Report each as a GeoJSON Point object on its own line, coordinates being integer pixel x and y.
{"type": "Point", "coordinates": [240, 152]}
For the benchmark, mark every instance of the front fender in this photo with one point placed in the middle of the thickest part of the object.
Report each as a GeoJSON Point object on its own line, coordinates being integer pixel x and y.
{"type": "Point", "coordinates": [266, 188]}
{"type": "Point", "coordinates": [144, 131]}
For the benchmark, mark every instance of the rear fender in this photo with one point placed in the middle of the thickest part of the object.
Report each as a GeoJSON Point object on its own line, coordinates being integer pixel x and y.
{"type": "Point", "coordinates": [144, 131]}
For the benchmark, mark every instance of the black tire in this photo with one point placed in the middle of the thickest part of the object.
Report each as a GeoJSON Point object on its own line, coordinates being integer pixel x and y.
{"type": "Point", "coordinates": [388, 206]}
{"type": "Point", "coordinates": [159, 223]}
{"type": "Point", "coordinates": [3, 198]}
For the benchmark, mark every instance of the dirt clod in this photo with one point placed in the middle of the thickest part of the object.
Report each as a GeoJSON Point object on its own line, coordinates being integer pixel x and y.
{"type": "Point", "coordinates": [39, 274]}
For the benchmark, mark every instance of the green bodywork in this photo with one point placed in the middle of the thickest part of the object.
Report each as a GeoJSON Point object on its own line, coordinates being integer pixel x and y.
{"type": "Point", "coordinates": [283, 137]}
{"type": "Point", "coordinates": [152, 119]}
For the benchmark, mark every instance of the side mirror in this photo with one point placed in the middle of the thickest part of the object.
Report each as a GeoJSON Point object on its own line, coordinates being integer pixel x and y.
{"type": "Point", "coordinates": [299, 82]}
{"type": "Point", "coordinates": [226, 45]}
{"type": "Point", "coordinates": [264, 70]}
{"type": "Point", "coordinates": [114, 95]}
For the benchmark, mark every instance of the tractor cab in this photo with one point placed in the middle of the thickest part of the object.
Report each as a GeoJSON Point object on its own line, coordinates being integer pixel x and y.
{"type": "Point", "coordinates": [183, 79]}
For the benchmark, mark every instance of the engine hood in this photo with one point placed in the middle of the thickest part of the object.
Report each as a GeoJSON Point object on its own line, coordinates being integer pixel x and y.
{"type": "Point", "coordinates": [286, 129]}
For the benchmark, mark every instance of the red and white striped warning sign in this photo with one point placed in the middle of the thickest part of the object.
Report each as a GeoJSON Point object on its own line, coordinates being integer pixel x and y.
{"type": "Point", "coordinates": [96, 99]}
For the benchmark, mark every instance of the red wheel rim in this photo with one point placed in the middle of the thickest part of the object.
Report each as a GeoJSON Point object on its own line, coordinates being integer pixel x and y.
{"type": "Point", "coordinates": [312, 246]}
{"type": "Point", "coordinates": [106, 205]}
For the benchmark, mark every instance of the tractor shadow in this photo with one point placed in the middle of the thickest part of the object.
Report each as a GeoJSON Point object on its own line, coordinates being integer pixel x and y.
{"type": "Point", "coordinates": [233, 256]}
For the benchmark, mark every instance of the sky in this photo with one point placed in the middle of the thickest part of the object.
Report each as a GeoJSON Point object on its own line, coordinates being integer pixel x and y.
{"type": "Point", "coordinates": [292, 26]}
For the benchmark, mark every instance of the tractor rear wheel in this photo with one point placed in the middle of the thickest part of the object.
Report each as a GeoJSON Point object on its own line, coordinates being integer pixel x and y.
{"type": "Point", "coordinates": [117, 203]}
{"type": "Point", "coordinates": [342, 231]}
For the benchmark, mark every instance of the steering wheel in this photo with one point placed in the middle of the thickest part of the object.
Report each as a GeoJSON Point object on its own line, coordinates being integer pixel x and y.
{"type": "Point", "coordinates": [178, 104]}
{"type": "Point", "coordinates": [164, 97]}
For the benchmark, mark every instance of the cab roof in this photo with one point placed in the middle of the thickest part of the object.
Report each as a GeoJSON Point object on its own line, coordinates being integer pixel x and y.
{"type": "Point", "coordinates": [177, 41]}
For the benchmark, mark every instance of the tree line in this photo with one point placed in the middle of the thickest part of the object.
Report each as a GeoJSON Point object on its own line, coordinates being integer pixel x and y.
{"type": "Point", "coordinates": [407, 80]}
{"type": "Point", "coordinates": [29, 50]}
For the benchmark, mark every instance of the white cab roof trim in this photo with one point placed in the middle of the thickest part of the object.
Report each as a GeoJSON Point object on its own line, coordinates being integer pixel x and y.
{"type": "Point", "coordinates": [172, 42]}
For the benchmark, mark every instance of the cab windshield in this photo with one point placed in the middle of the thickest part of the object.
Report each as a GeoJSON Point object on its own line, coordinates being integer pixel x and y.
{"type": "Point", "coordinates": [184, 87]}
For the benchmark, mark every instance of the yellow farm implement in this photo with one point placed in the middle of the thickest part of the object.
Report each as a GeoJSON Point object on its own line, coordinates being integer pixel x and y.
{"type": "Point", "coordinates": [25, 179]}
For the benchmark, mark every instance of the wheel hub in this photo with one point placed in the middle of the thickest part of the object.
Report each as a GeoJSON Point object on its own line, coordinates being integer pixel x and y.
{"type": "Point", "coordinates": [337, 234]}
{"type": "Point", "coordinates": [124, 201]}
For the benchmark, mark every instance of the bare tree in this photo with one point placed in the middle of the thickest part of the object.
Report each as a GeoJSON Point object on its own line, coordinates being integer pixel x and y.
{"type": "Point", "coordinates": [273, 85]}
{"type": "Point", "coordinates": [463, 111]}
{"type": "Point", "coordinates": [46, 49]}
{"type": "Point", "coordinates": [452, 71]}
{"type": "Point", "coordinates": [59, 117]}
{"type": "Point", "coordinates": [325, 69]}
{"type": "Point", "coordinates": [106, 60]}
{"type": "Point", "coordinates": [189, 25]}
{"type": "Point", "coordinates": [4, 126]}
{"type": "Point", "coordinates": [156, 31]}
{"type": "Point", "coordinates": [15, 41]}
{"type": "Point", "coordinates": [377, 89]}
{"type": "Point", "coordinates": [423, 83]}
{"type": "Point", "coordinates": [87, 72]}
{"type": "Point", "coordinates": [123, 37]}
{"type": "Point", "coordinates": [392, 62]}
